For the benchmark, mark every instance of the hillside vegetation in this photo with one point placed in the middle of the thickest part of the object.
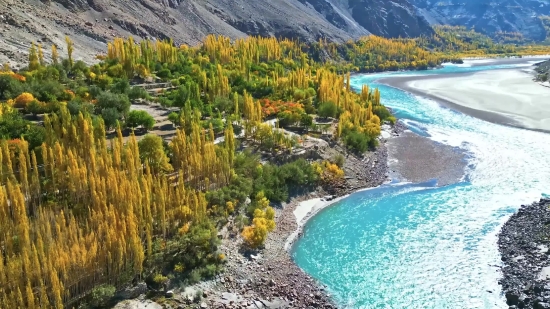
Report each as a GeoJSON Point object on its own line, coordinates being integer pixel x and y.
{"type": "Point", "coordinates": [90, 202]}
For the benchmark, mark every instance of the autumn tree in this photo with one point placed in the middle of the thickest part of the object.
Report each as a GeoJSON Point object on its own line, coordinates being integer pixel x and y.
{"type": "Point", "coordinates": [34, 62]}
{"type": "Point", "coordinates": [263, 222]}
{"type": "Point", "coordinates": [55, 55]}
{"type": "Point", "coordinates": [70, 50]}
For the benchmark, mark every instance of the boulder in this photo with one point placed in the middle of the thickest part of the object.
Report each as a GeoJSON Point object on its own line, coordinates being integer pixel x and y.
{"type": "Point", "coordinates": [512, 298]}
{"type": "Point", "coordinates": [132, 291]}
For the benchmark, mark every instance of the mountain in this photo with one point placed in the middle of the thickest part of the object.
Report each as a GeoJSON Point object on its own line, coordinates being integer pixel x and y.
{"type": "Point", "coordinates": [489, 16]}
{"type": "Point", "coordinates": [91, 23]}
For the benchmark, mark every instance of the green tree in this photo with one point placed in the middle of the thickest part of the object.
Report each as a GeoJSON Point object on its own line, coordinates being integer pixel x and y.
{"type": "Point", "coordinates": [122, 86]}
{"type": "Point", "coordinates": [138, 118]}
{"type": "Point", "coordinates": [151, 150]}
{"type": "Point", "coordinates": [120, 102]}
{"type": "Point", "coordinates": [110, 117]}
{"type": "Point", "coordinates": [10, 87]}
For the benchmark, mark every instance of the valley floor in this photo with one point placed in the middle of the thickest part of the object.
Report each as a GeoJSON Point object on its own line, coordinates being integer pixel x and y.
{"type": "Point", "coordinates": [507, 96]}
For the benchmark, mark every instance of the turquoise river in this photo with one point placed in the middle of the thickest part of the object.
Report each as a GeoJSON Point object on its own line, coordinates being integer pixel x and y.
{"type": "Point", "coordinates": [419, 246]}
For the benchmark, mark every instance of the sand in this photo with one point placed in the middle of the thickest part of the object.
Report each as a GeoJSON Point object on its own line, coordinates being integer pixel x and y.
{"type": "Point", "coordinates": [306, 210]}
{"type": "Point", "coordinates": [306, 207]}
{"type": "Point", "coordinates": [473, 62]}
{"type": "Point", "coordinates": [506, 96]}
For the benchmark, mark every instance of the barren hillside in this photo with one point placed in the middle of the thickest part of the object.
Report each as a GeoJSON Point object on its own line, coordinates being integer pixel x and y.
{"type": "Point", "coordinates": [489, 16]}
{"type": "Point", "coordinates": [91, 23]}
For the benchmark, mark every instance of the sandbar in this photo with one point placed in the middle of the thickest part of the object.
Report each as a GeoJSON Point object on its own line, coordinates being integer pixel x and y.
{"type": "Point", "coordinates": [505, 96]}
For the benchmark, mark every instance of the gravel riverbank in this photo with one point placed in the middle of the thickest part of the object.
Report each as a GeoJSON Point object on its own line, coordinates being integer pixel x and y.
{"type": "Point", "coordinates": [416, 159]}
{"type": "Point", "coordinates": [524, 243]}
{"type": "Point", "coordinates": [269, 278]}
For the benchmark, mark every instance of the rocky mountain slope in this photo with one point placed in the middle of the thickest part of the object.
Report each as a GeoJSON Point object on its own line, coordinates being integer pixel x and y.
{"type": "Point", "coordinates": [489, 16]}
{"type": "Point", "coordinates": [543, 71]}
{"type": "Point", "coordinates": [91, 23]}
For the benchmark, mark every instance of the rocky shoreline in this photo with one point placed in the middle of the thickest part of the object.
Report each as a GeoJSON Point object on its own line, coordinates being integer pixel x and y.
{"type": "Point", "coordinates": [269, 278]}
{"type": "Point", "coordinates": [524, 243]}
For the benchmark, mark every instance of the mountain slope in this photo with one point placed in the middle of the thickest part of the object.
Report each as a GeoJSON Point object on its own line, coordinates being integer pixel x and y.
{"type": "Point", "coordinates": [489, 16]}
{"type": "Point", "coordinates": [91, 23]}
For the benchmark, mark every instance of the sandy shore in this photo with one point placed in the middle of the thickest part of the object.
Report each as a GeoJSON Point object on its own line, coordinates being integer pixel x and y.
{"type": "Point", "coordinates": [507, 96]}
{"type": "Point", "coordinates": [474, 62]}
{"type": "Point", "coordinates": [306, 210]}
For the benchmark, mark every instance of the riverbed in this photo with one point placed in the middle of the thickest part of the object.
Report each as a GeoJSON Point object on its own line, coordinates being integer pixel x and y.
{"type": "Point", "coordinates": [420, 245]}
{"type": "Point", "coordinates": [506, 96]}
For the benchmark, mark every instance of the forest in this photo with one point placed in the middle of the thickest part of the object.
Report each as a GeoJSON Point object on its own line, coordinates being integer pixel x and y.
{"type": "Point", "coordinates": [448, 44]}
{"type": "Point", "coordinates": [91, 200]}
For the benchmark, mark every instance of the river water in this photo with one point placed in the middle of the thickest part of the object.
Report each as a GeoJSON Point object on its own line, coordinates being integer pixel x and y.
{"type": "Point", "coordinates": [419, 246]}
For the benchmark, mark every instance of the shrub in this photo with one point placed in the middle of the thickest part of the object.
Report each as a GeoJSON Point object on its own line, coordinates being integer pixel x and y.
{"type": "Point", "coordinates": [137, 93]}
{"type": "Point", "coordinates": [121, 86]}
{"type": "Point", "coordinates": [328, 109]}
{"type": "Point", "coordinates": [100, 295]}
{"type": "Point", "coordinates": [306, 120]}
{"type": "Point", "coordinates": [116, 71]}
{"type": "Point", "coordinates": [35, 107]}
{"type": "Point", "coordinates": [299, 95]}
{"type": "Point", "coordinates": [164, 73]}
{"type": "Point", "coordinates": [23, 99]}
{"type": "Point", "coordinates": [356, 141]}
{"type": "Point", "coordinates": [339, 160]}
{"type": "Point", "coordinates": [174, 118]}
{"type": "Point", "coordinates": [160, 279]}
{"type": "Point", "coordinates": [382, 112]}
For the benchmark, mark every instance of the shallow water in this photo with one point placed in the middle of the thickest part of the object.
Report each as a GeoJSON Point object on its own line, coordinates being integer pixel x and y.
{"type": "Point", "coordinates": [418, 246]}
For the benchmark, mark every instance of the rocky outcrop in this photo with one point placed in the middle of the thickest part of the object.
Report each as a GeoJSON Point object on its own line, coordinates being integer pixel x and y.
{"type": "Point", "coordinates": [489, 16]}
{"type": "Point", "coordinates": [543, 71]}
{"type": "Point", "coordinates": [524, 246]}
{"type": "Point", "coordinates": [390, 18]}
